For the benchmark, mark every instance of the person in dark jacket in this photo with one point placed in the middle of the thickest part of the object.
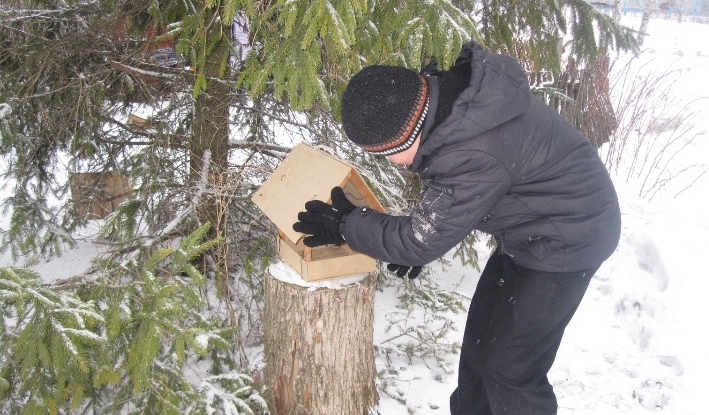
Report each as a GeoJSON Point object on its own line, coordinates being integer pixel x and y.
{"type": "Point", "coordinates": [491, 157]}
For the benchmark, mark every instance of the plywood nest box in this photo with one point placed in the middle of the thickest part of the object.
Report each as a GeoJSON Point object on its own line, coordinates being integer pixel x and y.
{"type": "Point", "coordinates": [96, 195]}
{"type": "Point", "coordinates": [310, 174]}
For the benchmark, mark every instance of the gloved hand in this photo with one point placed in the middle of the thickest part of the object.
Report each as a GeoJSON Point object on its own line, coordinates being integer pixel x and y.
{"type": "Point", "coordinates": [322, 221]}
{"type": "Point", "coordinates": [402, 270]}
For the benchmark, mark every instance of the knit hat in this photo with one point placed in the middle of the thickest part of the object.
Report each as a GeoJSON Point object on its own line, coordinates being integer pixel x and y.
{"type": "Point", "coordinates": [384, 107]}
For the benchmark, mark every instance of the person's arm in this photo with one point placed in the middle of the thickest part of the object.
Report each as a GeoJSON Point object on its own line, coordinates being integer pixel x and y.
{"type": "Point", "coordinates": [450, 208]}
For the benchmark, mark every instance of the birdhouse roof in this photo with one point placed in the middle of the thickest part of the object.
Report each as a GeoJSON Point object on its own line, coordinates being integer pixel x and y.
{"type": "Point", "coordinates": [308, 174]}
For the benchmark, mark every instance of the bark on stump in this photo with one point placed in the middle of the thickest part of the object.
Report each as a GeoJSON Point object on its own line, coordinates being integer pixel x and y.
{"type": "Point", "coordinates": [318, 348]}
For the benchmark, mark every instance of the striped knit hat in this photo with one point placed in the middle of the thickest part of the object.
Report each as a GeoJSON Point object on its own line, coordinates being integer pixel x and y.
{"type": "Point", "coordinates": [384, 107]}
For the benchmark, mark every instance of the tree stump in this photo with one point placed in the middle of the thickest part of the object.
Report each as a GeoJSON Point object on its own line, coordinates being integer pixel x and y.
{"type": "Point", "coordinates": [318, 348]}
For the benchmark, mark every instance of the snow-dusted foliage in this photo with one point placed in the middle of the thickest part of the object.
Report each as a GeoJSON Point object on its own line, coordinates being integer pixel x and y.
{"type": "Point", "coordinates": [63, 353]}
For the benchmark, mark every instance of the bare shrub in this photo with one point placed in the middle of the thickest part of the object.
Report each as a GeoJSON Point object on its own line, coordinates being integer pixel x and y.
{"type": "Point", "coordinates": [655, 125]}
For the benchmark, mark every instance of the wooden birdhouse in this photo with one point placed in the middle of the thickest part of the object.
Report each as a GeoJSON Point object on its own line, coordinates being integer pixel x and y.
{"type": "Point", "coordinates": [96, 195]}
{"type": "Point", "coordinates": [310, 174]}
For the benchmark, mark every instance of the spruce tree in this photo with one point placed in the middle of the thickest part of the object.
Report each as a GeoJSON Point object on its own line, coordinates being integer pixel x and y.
{"type": "Point", "coordinates": [64, 354]}
{"type": "Point", "coordinates": [73, 72]}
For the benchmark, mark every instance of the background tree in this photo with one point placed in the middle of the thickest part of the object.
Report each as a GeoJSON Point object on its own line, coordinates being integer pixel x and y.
{"type": "Point", "coordinates": [648, 7]}
{"type": "Point", "coordinates": [148, 90]}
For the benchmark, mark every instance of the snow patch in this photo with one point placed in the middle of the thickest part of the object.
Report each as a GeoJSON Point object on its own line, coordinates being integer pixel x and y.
{"type": "Point", "coordinates": [5, 110]}
{"type": "Point", "coordinates": [284, 272]}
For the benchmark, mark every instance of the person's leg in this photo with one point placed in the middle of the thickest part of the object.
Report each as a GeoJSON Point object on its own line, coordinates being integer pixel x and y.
{"type": "Point", "coordinates": [515, 323]}
{"type": "Point", "coordinates": [470, 397]}
{"type": "Point", "coordinates": [525, 333]}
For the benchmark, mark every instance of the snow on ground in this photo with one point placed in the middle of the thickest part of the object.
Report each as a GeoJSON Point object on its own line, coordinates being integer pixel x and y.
{"type": "Point", "coordinates": [637, 343]}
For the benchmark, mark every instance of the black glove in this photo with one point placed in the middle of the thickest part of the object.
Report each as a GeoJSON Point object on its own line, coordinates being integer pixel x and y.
{"type": "Point", "coordinates": [322, 221]}
{"type": "Point", "coordinates": [402, 270]}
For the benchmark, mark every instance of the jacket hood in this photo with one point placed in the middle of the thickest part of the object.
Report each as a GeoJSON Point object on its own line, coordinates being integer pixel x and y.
{"type": "Point", "coordinates": [498, 92]}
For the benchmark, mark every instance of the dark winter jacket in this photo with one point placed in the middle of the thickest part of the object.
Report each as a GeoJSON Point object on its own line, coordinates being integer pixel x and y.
{"type": "Point", "coordinates": [505, 163]}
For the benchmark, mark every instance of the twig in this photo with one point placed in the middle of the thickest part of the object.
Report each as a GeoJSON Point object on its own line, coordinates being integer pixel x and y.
{"type": "Point", "coordinates": [693, 181]}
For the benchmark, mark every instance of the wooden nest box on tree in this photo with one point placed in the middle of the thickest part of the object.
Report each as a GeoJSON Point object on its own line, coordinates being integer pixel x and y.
{"type": "Point", "coordinates": [96, 195]}
{"type": "Point", "coordinates": [310, 174]}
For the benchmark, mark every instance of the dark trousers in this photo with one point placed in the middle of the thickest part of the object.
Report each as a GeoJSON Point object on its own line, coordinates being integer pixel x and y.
{"type": "Point", "coordinates": [515, 323]}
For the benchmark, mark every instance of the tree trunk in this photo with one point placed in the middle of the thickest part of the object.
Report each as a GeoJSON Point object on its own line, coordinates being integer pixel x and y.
{"type": "Point", "coordinates": [318, 348]}
{"type": "Point", "coordinates": [211, 118]}
{"type": "Point", "coordinates": [648, 7]}
{"type": "Point", "coordinates": [210, 137]}
{"type": "Point", "coordinates": [617, 11]}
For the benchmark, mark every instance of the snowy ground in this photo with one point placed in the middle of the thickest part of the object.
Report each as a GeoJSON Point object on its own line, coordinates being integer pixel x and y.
{"type": "Point", "coordinates": [636, 344]}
